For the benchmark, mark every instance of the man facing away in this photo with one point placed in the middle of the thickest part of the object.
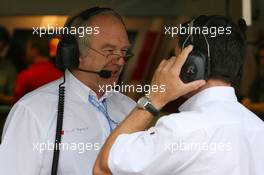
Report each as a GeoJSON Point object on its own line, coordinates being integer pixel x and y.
{"type": "Point", "coordinates": [212, 135]}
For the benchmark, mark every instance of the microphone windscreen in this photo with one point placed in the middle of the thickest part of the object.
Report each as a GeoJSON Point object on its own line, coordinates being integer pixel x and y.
{"type": "Point", "coordinates": [105, 73]}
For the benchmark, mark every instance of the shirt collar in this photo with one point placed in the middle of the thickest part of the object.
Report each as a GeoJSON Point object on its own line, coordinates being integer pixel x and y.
{"type": "Point", "coordinates": [81, 89]}
{"type": "Point", "coordinates": [217, 93]}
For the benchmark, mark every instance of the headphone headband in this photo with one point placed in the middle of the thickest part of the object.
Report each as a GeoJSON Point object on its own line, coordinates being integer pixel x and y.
{"type": "Point", "coordinates": [68, 49]}
{"type": "Point", "coordinates": [191, 25]}
{"type": "Point", "coordinates": [88, 13]}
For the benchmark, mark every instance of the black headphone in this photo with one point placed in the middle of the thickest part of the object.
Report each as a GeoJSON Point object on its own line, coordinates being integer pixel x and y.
{"type": "Point", "coordinates": [198, 63]}
{"type": "Point", "coordinates": [68, 57]}
{"type": "Point", "coordinates": [68, 50]}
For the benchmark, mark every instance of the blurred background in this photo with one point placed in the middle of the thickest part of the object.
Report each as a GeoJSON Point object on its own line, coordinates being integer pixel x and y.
{"type": "Point", "coordinates": [145, 21]}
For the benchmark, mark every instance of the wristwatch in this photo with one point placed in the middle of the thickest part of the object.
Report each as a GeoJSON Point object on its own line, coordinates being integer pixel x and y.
{"type": "Point", "coordinates": [145, 103]}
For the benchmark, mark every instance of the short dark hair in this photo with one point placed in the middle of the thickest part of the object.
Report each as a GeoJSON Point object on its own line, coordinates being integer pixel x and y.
{"type": "Point", "coordinates": [226, 50]}
{"type": "Point", "coordinates": [4, 35]}
{"type": "Point", "coordinates": [41, 44]}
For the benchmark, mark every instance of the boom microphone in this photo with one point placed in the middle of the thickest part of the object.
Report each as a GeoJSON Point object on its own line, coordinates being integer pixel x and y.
{"type": "Point", "coordinates": [102, 73]}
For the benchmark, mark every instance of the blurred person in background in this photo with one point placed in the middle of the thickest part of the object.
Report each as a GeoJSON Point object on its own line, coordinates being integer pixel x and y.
{"type": "Point", "coordinates": [40, 71]}
{"type": "Point", "coordinates": [7, 70]}
{"type": "Point", "coordinates": [255, 99]}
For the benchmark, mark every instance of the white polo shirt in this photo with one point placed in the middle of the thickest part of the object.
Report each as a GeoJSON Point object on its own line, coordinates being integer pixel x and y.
{"type": "Point", "coordinates": [212, 135]}
{"type": "Point", "coordinates": [29, 132]}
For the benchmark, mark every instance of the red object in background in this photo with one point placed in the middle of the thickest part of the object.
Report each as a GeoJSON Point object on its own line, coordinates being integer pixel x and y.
{"type": "Point", "coordinates": [53, 47]}
{"type": "Point", "coordinates": [35, 76]}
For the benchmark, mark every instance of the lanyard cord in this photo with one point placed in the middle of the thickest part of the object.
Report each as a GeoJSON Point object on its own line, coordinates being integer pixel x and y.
{"type": "Point", "coordinates": [105, 105]}
{"type": "Point", "coordinates": [102, 107]}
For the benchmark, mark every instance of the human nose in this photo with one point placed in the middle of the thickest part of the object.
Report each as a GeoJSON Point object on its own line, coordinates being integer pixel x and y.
{"type": "Point", "coordinates": [120, 60]}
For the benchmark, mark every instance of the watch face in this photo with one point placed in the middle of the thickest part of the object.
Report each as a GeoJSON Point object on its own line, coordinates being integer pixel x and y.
{"type": "Point", "coordinates": [145, 103]}
{"type": "Point", "coordinates": [142, 102]}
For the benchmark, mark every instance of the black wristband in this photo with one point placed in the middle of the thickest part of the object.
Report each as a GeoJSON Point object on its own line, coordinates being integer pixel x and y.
{"type": "Point", "coordinates": [149, 107]}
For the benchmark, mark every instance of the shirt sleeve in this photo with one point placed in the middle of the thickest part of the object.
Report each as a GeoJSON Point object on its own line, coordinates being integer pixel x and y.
{"type": "Point", "coordinates": [144, 153]}
{"type": "Point", "coordinates": [18, 150]}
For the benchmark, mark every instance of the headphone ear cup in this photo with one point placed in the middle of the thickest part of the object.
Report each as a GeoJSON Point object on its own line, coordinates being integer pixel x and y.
{"type": "Point", "coordinates": [67, 53]}
{"type": "Point", "coordinates": [195, 67]}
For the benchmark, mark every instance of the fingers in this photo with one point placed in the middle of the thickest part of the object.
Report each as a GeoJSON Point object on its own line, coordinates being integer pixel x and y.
{"type": "Point", "coordinates": [169, 63]}
{"type": "Point", "coordinates": [161, 65]}
{"type": "Point", "coordinates": [165, 64]}
{"type": "Point", "coordinates": [181, 59]}
{"type": "Point", "coordinates": [175, 63]}
{"type": "Point", "coordinates": [194, 85]}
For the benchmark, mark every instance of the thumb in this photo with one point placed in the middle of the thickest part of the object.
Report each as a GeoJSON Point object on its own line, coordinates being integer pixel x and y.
{"type": "Point", "coordinates": [194, 85]}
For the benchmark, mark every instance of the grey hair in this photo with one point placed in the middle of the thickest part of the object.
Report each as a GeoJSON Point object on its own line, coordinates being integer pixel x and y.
{"type": "Point", "coordinates": [83, 42]}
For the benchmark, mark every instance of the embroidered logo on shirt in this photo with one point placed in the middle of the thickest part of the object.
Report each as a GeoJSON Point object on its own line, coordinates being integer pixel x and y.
{"type": "Point", "coordinates": [74, 130]}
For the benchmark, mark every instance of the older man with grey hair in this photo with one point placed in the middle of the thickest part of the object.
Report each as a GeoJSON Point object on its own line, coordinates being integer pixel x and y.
{"type": "Point", "coordinates": [89, 114]}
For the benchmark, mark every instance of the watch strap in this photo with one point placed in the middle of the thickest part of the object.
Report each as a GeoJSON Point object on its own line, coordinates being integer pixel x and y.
{"type": "Point", "coordinates": [149, 107]}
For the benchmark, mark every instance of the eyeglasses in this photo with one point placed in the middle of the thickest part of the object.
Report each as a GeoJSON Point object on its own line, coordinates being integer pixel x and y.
{"type": "Point", "coordinates": [115, 57]}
